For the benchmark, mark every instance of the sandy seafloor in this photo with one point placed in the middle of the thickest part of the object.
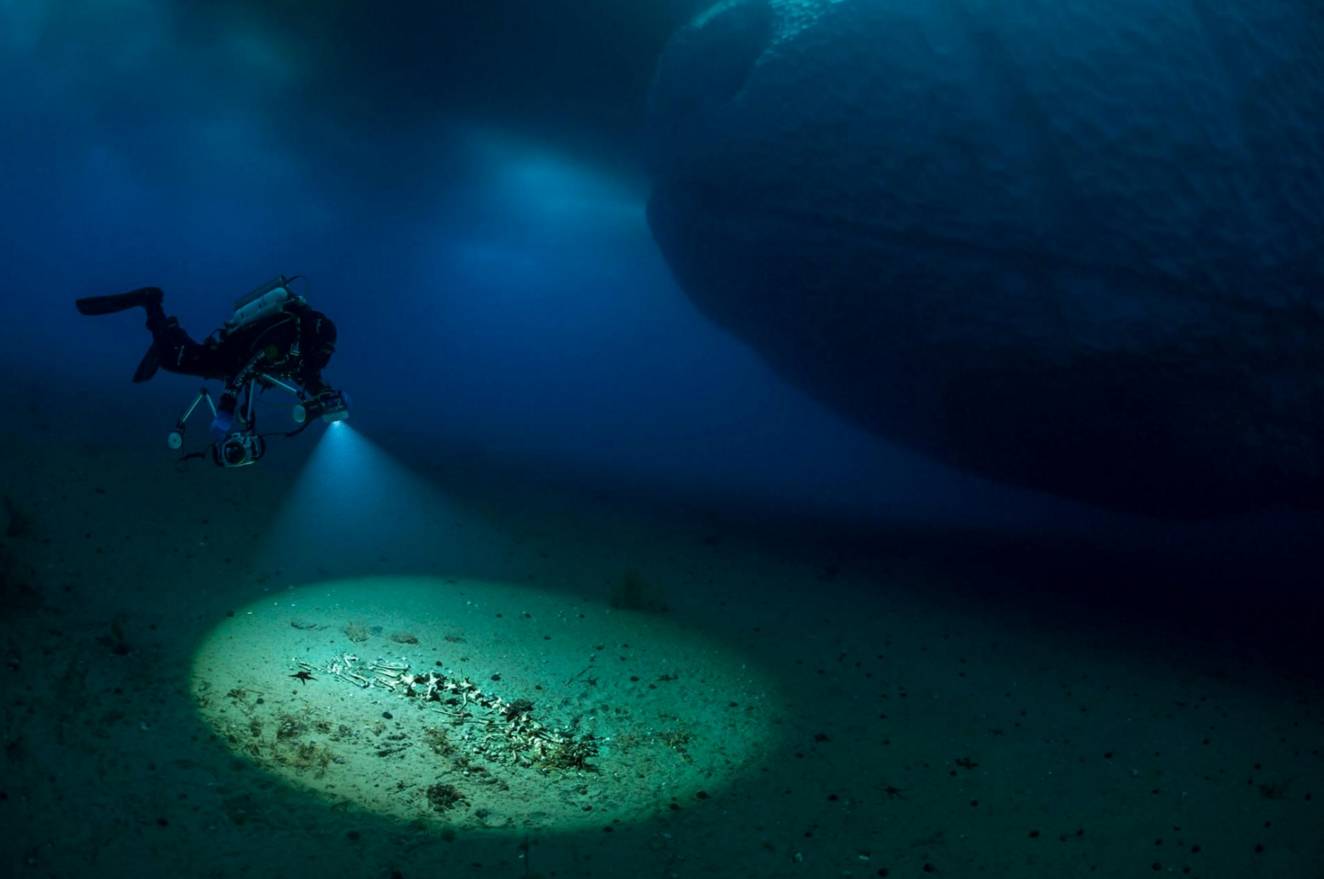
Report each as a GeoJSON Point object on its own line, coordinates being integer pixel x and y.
{"type": "Point", "coordinates": [761, 705]}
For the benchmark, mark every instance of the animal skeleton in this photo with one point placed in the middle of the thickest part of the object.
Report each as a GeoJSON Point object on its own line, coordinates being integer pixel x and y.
{"type": "Point", "coordinates": [463, 701]}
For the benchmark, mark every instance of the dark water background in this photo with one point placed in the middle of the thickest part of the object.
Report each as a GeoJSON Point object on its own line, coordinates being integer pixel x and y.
{"type": "Point", "coordinates": [463, 185]}
{"type": "Point", "coordinates": [463, 188]}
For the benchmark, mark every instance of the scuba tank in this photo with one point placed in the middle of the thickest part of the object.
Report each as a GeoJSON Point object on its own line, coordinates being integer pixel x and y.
{"type": "Point", "coordinates": [264, 300]}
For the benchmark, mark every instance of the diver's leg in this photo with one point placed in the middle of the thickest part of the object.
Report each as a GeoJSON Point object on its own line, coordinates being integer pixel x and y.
{"type": "Point", "coordinates": [146, 297]}
{"type": "Point", "coordinates": [174, 350]}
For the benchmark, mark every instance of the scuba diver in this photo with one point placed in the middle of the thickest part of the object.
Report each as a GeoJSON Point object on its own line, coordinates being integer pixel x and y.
{"type": "Point", "coordinates": [274, 339]}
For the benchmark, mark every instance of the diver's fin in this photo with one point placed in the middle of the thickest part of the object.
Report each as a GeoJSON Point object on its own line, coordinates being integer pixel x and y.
{"type": "Point", "coordinates": [148, 366]}
{"type": "Point", "coordinates": [143, 296]}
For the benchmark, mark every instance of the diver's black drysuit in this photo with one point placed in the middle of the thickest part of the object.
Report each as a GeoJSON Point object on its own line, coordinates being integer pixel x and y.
{"type": "Point", "coordinates": [293, 344]}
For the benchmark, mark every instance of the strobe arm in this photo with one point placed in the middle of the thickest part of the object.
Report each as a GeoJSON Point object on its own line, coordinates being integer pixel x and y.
{"type": "Point", "coordinates": [176, 438]}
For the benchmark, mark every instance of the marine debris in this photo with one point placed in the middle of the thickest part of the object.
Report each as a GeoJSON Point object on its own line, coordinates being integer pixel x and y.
{"type": "Point", "coordinates": [506, 731]}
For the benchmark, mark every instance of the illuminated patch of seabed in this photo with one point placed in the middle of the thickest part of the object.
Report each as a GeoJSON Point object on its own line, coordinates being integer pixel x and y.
{"type": "Point", "coordinates": [670, 711]}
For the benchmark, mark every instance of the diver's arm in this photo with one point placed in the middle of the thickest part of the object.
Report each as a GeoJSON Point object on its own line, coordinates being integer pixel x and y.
{"type": "Point", "coordinates": [245, 375]}
{"type": "Point", "coordinates": [224, 420]}
{"type": "Point", "coordinates": [310, 379]}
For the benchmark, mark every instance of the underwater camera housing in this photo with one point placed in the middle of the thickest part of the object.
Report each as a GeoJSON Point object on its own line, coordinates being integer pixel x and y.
{"type": "Point", "coordinates": [239, 449]}
{"type": "Point", "coordinates": [330, 406]}
{"type": "Point", "coordinates": [245, 446]}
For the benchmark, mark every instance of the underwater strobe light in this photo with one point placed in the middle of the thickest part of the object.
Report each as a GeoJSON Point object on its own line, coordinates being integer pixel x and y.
{"type": "Point", "coordinates": [330, 406]}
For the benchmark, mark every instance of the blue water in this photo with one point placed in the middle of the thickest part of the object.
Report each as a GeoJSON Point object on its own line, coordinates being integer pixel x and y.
{"type": "Point", "coordinates": [537, 401]}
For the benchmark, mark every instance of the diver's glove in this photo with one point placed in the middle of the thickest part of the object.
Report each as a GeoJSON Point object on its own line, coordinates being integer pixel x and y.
{"type": "Point", "coordinates": [223, 423]}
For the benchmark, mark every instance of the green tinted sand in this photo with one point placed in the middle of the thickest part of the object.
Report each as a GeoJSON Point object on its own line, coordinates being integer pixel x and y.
{"type": "Point", "coordinates": [659, 713]}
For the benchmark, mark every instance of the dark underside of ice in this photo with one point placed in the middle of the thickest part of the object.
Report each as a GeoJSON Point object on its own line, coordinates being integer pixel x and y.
{"type": "Point", "coordinates": [1074, 246]}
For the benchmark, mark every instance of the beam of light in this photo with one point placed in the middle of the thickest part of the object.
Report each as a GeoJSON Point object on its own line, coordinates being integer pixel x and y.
{"type": "Point", "coordinates": [354, 509]}
{"type": "Point", "coordinates": [661, 717]}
